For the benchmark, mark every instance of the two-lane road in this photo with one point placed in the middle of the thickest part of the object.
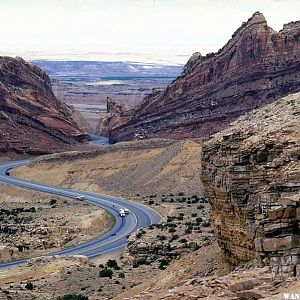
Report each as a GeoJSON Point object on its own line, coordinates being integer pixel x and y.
{"type": "Point", "coordinates": [139, 216]}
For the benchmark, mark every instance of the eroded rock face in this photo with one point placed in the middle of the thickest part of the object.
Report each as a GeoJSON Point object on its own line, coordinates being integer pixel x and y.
{"type": "Point", "coordinates": [251, 173]}
{"type": "Point", "coordinates": [116, 115]}
{"type": "Point", "coordinates": [255, 67]}
{"type": "Point", "coordinates": [32, 120]}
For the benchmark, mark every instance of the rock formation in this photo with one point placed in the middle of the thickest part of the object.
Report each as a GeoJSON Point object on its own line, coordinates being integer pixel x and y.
{"type": "Point", "coordinates": [116, 115]}
{"type": "Point", "coordinates": [255, 67]}
{"type": "Point", "coordinates": [32, 120]}
{"type": "Point", "coordinates": [251, 173]}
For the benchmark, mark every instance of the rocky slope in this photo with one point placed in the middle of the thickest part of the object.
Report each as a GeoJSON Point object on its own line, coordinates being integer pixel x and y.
{"type": "Point", "coordinates": [251, 173]}
{"type": "Point", "coordinates": [255, 67]}
{"type": "Point", "coordinates": [32, 120]}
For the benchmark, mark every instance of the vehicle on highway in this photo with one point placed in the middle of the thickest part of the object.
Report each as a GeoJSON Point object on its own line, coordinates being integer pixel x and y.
{"type": "Point", "coordinates": [108, 243]}
{"type": "Point", "coordinates": [126, 210]}
{"type": "Point", "coordinates": [121, 212]}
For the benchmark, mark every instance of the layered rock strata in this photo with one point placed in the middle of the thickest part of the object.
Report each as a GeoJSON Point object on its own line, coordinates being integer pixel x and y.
{"type": "Point", "coordinates": [251, 174]}
{"type": "Point", "coordinates": [255, 67]}
{"type": "Point", "coordinates": [32, 120]}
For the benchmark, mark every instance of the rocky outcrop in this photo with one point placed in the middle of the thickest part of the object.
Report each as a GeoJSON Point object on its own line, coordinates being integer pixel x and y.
{"type": "Point", "coordinates": [256, 66]}
{"type": "Point", "coordinates": [116, 115]}
{"type": "Point", "coordinates": [251, 173]}
{"type": "Point", "coordinates": [32, 120]}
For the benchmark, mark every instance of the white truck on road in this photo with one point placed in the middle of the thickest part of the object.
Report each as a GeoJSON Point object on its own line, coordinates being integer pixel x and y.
{"type": "Point", "coordinates": [121, 212]}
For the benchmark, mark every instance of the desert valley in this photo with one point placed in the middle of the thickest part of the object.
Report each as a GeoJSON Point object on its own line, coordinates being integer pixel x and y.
{"type": "Point", "coordinates": [128, 180]}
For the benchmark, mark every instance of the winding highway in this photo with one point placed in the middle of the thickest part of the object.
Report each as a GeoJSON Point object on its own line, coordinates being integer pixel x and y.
{"type": "Point", "coordinates": [139, 216]}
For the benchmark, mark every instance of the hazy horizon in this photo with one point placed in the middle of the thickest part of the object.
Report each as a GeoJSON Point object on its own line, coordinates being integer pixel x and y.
{"type": "Point", "coordinates": [158, 31]}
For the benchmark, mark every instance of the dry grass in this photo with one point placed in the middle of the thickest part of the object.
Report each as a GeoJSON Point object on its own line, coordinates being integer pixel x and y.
{"type": "Point", "coordinates": [126, 169]}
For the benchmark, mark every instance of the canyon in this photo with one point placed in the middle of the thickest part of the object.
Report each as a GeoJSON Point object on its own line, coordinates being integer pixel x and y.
{"type": "Point", "coordinates": [86, 85]}
{"type": "Point", "coordinates": [216, 153]}
{"type": "Point", "coordinates": [32, 120]}
{"type": "Point", "coordinates": [257, 66]}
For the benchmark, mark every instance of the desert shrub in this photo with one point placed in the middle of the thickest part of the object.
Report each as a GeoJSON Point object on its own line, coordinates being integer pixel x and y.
{"type": "Point", "coordinates": [112, 263]}
{"type": "Point", "coordinates": [29, 286]}
{"type": "Point", "coordinates": [73, 297]}
{"type": "Point", "coordinates": [163, 264]}
{"type": "Point", "coordinates": [206, 224]}
{"type": "Point", "coordinates": [199, 219]}
{"type": "Point", "coordinates": [151, 202]}
{"type": "Point", "coordinates": [161, 237]}
{"type": "Point", "coordinates": [106, 273]}
{"type": "Point", "coordinates": [141, 261]}
{"type": "Point", "coordinates": [194, 215]}
{"type": "Point", "coordinates": [201, 206]}
{"type": "Point", "coordinates": [181, 200]}
{"type": "Point", "coordinates": [174, 237]}
{"type": "Point", "coordinates": [172, 229]}
{"type": "Point", "coordinates": [170, 218]}
{"type": "Point", "coordinates": [189, 223]}
{"type": "Point", "coordinates": [52, 202]}
{"type": "Point", "coordinates": [158, 225]}
{"type": "Point", "coordinates": [181, 194]}
{"type": "Point", "coordinates": [121, 275]}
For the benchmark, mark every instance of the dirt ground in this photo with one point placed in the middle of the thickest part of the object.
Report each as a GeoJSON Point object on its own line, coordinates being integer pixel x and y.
{"type": "Point", "coordinates": [33, 223]}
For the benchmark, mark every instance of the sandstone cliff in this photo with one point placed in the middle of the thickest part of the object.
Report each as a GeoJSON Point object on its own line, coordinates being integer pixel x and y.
{"type": "Point", "coordinates": [32, 120]}
{"type": "Point", "coordinates": [251, 173]}
{"type": "Point", "coordinates": [116, 115]}
{"type": "Point", "coordinates": [255, 67]}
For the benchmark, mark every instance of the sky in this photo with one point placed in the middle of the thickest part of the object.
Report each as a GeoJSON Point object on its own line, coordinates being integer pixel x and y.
{"type": "Point", "coordinates": [164, 31]}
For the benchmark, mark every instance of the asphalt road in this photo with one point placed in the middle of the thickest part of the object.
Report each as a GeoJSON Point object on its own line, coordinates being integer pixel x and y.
{"type": "Point", "coordinates": [139, 216]}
